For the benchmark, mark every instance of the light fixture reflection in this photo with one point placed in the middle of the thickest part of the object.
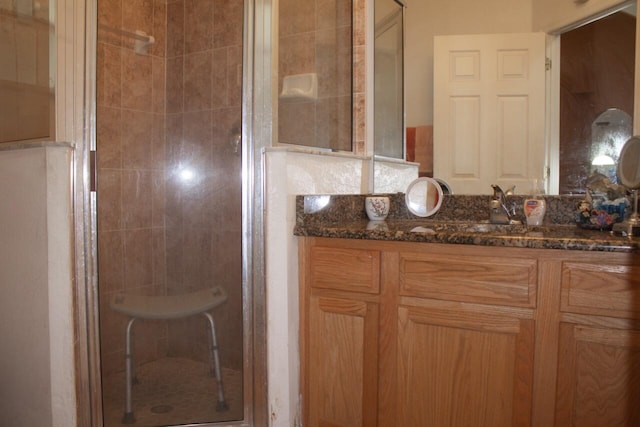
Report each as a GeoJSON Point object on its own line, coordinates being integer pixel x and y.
{"type": "Point", "coordinates": [314, 204]}
{"type": "Point", "coordinates": [603, 160]}
{"type": "Point", "coordinates": [186, 174]}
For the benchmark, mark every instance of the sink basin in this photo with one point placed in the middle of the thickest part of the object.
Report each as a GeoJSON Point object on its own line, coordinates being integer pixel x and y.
{"type": "Point", "coordinates": [485, 227]}
{"type": "Point", "coordinates": [481, 227]}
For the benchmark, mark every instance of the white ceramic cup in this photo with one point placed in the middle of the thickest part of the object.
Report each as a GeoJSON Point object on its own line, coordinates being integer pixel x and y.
{"type": "Point", "coordinates": [377, 226]}
{"type": "Point", "coordinates": [377, 207]}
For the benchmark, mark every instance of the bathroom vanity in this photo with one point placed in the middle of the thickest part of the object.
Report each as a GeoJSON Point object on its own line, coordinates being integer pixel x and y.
{"type": "Point", "coordinates": [459, 324]}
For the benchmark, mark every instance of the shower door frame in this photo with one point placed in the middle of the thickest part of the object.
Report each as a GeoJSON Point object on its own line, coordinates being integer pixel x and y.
{"type": "Point", "coordinates": [77, 54]}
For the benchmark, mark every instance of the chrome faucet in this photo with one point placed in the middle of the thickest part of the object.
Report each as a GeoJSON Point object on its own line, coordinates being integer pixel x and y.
{"type": "Point", "coordinates": [500, 211]}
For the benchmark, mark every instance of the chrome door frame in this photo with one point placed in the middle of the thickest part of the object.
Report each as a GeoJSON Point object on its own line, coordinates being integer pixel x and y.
{"type": "Point", "coordinates": [81, 51]}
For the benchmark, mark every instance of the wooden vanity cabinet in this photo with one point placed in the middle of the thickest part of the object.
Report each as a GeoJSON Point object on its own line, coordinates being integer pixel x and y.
{"type": "Point", "coordinates": [416, 334]}
{"type": "Point", "coordinates": [454, 366]}
{"type": "Point", "coordinates": [465, 338]}
{"type": "Point", "coordinates": [599, 345]}
{"type": "Point", "coordinates": [340, 325]}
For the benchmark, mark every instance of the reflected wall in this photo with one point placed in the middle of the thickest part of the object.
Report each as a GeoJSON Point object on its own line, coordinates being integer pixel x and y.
{"type": "Point", "coordinates": [26, 76]}
{"type": "Point", "coordinates": [596, 74]}
{"type": "Point", "coordinates": [316, 52]}
{"type": "Point", "coordinates": [388, 75]}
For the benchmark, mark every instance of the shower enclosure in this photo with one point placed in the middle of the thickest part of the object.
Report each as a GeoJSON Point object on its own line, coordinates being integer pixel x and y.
{"type": "Point", "coordinates": [169, 202]}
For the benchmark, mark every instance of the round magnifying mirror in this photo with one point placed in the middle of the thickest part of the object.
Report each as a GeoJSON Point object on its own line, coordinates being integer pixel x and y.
{"type": "Point", "coordinates": [629, 175]}
{"type": "Point", "coordinates": [629, 163]}
{"type": "Point", "coordinates": [424, 197]}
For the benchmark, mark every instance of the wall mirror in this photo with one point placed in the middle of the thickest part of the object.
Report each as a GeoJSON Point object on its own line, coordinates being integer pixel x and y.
{"type": "Point", "coordinates": [315, 74]}
{"type": "Point", "coordinates": [596, 97]}
{"type": "Point", "coordinates": [388, 123]}
{"type": "Point", "coordinates": [629, 165]}
{"type": "Point", "coordinates": [26, 71]}
{"type": "Point", "coordinates": [628, 171]}
{"type": "Point", "coordinates": [424, 20]}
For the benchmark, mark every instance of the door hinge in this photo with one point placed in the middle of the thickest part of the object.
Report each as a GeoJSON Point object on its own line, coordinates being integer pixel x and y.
{"type": "Point", "coordinates": [547, 64]}
{"type": "Point", "coordinates": [92, 170]}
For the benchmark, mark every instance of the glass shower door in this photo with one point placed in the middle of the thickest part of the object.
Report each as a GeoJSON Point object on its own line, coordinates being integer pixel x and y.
{"type": "Point", "coordinates": [169, 185]}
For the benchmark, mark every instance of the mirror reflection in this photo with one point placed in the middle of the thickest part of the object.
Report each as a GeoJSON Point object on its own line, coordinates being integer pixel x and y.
{"type": "Point", "coordinates": [388, 79]}
{"type": "Point", "coordinates": [629, 165]}
{"type": "Point", "coordinates": [629, 175]}
{"type": "Point", "coordinates": [596, 97]}
{"type": "Point", "coordinates": [26, 71]}
{"type": "Point", "coordinates": [315, 74]}
{"type": "Point", "coordinates": [591, 88]}
{"type": "Point", "coordinates": [424, 197]}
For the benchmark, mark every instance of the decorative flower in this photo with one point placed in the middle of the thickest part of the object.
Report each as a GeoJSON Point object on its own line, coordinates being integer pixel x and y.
{"type": "Point", "coordinates": [602, 218]}
{"type": "Point", "coordinates": [585, 206]}
{"type": "Point", "coordinates": [604, 204]}
{"type": "Point", "coordinates": [599, 218]}
{"type": "Point", "coordinates": [379, 206]}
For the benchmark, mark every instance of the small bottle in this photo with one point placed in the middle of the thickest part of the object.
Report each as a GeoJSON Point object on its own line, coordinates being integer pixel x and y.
{"type": "Point", "coordinates": [536, 206]}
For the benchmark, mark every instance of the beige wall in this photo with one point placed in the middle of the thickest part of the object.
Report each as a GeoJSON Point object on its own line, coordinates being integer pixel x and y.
{"type": "Point", "coordinates": [426, 19]}
{"type": "Point", "coordinates": [36, 296]}
{"type": "Point", "coordinates": [554, 15]}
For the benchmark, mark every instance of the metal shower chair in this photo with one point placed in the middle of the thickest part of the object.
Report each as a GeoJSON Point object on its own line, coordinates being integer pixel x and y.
{"type": "Point", "coordinates": [163, 308]}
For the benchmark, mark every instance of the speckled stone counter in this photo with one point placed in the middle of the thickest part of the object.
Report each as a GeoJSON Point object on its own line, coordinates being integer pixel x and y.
{"type": "Point", "coordinates": [460, 220]}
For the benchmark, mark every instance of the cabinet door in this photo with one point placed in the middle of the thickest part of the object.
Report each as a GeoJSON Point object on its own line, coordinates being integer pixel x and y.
{"type": "Point", "coordinates": [598, 377]}
{"type": "Point", "coordinates": [341, 383]}
{"type": "Point", "coordinates": [463, 368]}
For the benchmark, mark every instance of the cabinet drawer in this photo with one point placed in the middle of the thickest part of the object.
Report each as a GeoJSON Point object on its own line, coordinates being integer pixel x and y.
{"type": "Point", "coordinates": [345, 269]}
{"type": "Point", "coordinates": [602, 289]}
{"type": "Point", "coordinates": [482, 279]}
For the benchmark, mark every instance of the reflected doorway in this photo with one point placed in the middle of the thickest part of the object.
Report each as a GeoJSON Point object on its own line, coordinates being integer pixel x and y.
{"type": "Point", "coordinates": [169, 200]}
{"type": "Point", "coordinates": [597, 66]}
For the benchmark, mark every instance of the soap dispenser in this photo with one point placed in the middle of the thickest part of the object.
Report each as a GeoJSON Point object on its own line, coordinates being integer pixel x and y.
{"type": "Point", "coordinates": [536, 206]}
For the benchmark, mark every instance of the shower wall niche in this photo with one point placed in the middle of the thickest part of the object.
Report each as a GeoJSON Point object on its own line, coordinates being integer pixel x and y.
{"type": "Point", "coordinates": [169, 171]}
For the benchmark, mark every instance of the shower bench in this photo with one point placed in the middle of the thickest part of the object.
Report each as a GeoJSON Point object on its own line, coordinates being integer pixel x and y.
{"type": "Point", "coordinates": [166, 308]}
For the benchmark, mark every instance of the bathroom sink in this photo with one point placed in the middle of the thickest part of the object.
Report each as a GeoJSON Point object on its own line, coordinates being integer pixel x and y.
{"type": "Point", "coordinates": [485, 227]}
{"type": "Point", "coordinates": [480, 227]}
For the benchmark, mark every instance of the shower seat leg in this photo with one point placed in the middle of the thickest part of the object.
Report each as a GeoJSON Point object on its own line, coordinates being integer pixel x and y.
{"type": "Point", "coordinates": [221, 405]}
{"type": "Point", "coordinates": [134, 374]}
{"type": "Point", "coordinates": [212, 367]}
{"type": "Point", "coordinates": [128, 417]}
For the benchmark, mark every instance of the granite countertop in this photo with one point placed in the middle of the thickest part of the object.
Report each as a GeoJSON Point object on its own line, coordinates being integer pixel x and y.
{"type": "Point", "coordinates": [461, 220]}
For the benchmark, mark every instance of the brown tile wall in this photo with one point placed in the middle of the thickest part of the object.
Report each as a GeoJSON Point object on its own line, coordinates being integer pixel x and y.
{"type": "Point", "coordinates": [159, 114]}
{"type": "Point", "coordinates": [359, 77]}
{"type": "Point", "coordinates": [318, 36]}
{"type": "Point", "coordinates": [175, 108]}
{"type": "Point", "coordinates": [130, 138]}
{"type": "Point", "coordinates": [592, 54]}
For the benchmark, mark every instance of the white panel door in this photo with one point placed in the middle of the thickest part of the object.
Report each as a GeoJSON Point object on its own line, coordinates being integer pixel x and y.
{"type": "Point", "coordinates": [489, 105]}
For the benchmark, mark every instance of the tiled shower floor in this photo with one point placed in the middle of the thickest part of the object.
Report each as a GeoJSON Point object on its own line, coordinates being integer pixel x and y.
{"type": "Point", "coordinates": [172, 391]}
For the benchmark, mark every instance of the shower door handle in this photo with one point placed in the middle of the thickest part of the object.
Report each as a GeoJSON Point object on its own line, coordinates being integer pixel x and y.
{"type": "Point", "coordinates": [236, 142]}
